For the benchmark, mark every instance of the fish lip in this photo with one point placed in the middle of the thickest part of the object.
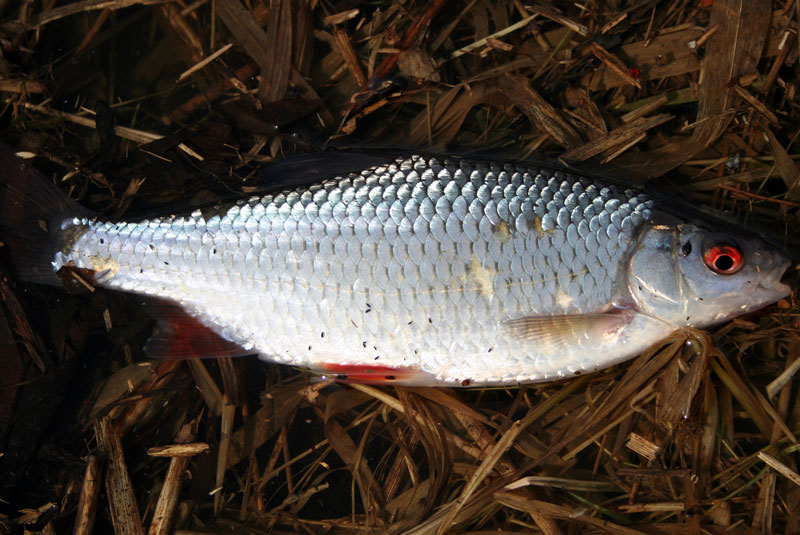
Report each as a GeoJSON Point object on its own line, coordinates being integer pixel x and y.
{"type": "Point", "coordinates": [771, 289]}
{"type": "Point", "coordinates": [773, 283]}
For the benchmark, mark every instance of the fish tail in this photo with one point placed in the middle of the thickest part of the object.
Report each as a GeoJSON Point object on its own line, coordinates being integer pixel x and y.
{"type": "Point", "coordinates": [32, 210]}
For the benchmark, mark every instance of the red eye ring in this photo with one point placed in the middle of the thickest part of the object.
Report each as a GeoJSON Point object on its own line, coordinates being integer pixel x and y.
{"type": "Point", "coordinates": [724, 259]}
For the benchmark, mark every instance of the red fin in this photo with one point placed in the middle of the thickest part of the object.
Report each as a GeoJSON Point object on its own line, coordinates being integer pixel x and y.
{"type": "Point", "coordinates": [375, 375]}
{"type": "Point", "coordinates": [178, 335]}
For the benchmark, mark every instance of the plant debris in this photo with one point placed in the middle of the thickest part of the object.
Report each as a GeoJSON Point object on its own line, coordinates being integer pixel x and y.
{"type": "Point", "coordinates": [134, 106]}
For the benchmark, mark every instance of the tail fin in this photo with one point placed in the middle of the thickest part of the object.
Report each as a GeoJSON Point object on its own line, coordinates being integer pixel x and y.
{"type": "Point", "coordinates": [32, 210]}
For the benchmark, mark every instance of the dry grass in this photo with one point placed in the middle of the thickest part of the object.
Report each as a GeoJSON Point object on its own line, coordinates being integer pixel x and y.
{"type": "Point", "coordinates": [136, 104]}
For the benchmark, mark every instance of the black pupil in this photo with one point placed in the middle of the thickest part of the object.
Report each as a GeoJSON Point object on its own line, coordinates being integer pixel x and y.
{"type": "Point", "coordinates": [723, 262]}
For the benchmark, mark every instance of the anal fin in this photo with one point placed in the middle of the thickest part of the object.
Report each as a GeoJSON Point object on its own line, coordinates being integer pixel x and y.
{"type": "Point", "coordinates": [178, 335]}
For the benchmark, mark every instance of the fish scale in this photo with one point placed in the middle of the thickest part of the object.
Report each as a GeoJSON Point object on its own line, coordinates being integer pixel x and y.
{"type": "Point", "coordinates": [425, 259]}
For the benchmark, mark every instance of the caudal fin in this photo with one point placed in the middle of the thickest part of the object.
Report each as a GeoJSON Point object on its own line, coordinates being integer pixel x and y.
{"type": "Point", "coordinates": [32, 210]}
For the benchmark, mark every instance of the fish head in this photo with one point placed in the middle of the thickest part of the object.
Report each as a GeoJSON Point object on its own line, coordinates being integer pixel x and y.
{"type": "Point", "coordinates": [687, 275]}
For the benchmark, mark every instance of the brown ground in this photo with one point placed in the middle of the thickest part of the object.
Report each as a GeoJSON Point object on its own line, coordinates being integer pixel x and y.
{"type": "Point", "coordinates": [135, 105]}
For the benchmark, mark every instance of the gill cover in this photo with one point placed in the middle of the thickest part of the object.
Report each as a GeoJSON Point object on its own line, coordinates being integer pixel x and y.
{"type": "Point", "coordinates": [688, 276]}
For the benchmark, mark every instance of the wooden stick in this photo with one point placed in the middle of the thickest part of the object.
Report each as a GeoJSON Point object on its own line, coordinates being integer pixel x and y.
{"type": "Point", "coordinates": [179, 450]}
{"type": "Point", "coordinates": [616, 151]}
{"type": "Point", "coordinates": [342, 43]}
{"type": "Point", "coordinates": [95, 29]}
{"type": "Point", "coordinates": [614, 63]}
{"type": "Point", "coordinates": [209, 390]}
{"type": "Point", "coordinates": [616, 137]}
{"type": "Point", "coordinates": [168, 499]}
{"type": "Point", "coordinates": [561, 19]}
{"type": "Point", "coordinates": [90, 492]}
{"type": "Point", "coordinates": [753, 101]}
{"type": "Point", "coordinates": [16, 85]}
{"type": "Point", "coordinates": [139, 136]}
{"type": "Point", "coordinates": [652, 507]}
{"type": "Point", "coordinates": [647, 109]}
{"type": "Point", "coordinates": [121, 498]}
{"type": "Point", "coordinates": [540, 112]}
{"type": "Point", "coordinates": [226, 428]}
{"type": "Point", "coordinates": [786, 45]}
{"type": "Point", "coordinates": [89, 5]}
{"type": "Point", "coordinates": [779, 467]}
{"type": "Point", "coordinates": [783, 379]}
{"type": "Point", "coordinates": [338, 18]}
{"type": "Point", "coordinates": [560, 512]}
{"type": "Point", "coordinates": [480, 43]}
{"type": "Point", "coordinates": [207, 97]}
{"type": "Point", "coordinates": [744, 194]}
{"type": "Point", "coordinates": [196, 67]}
{"type": "Point", "coordinates": [134, 411]}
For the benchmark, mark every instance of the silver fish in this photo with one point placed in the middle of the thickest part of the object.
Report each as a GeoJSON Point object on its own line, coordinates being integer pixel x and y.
{"type": "Point", "coordinates": [429, 270]}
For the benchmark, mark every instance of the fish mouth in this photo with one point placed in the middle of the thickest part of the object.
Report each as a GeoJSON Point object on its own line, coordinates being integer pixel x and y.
{"type": "Point", "coordinates": [769, 290]}
{"type": "Point", "coordinates": [775, 282]}
{"type": "Point", "coordinates": [772, 287]}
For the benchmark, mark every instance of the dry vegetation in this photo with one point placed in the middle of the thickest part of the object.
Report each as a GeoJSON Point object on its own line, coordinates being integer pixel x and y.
{"type": "Point", "coordinates": [136, 104]}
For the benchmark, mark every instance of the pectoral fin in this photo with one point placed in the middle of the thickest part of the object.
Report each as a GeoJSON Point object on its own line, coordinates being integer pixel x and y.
{"type": "Point", "coordinates": [567, 330]}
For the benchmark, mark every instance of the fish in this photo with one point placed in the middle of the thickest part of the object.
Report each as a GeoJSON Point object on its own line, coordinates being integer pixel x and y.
{"type": "Point", "coordinates": [408, 269]}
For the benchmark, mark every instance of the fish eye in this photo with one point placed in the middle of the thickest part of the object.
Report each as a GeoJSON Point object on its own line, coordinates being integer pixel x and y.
{"type": "Point", "coordinates": [723, 259]}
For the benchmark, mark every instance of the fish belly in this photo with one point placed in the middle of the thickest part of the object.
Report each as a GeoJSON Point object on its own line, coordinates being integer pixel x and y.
{"type": "Point", "coordinates": [417, 264]}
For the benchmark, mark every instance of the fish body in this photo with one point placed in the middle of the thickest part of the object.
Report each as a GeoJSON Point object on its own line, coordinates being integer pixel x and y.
{"type": "Point", "coordinates": [435, 270]}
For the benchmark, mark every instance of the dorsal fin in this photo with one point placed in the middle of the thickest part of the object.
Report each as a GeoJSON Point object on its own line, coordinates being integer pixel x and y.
{"type": "Point", "coordinates": [306, 169]}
